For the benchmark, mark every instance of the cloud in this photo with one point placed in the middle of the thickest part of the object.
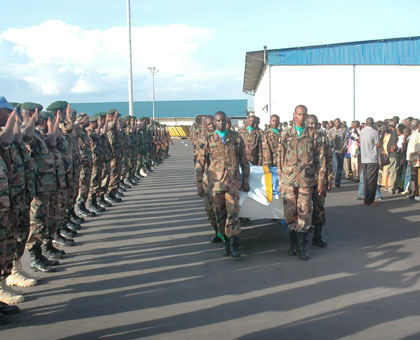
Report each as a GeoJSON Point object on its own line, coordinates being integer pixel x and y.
{"type": "Point", "coordinates": [63, 60]}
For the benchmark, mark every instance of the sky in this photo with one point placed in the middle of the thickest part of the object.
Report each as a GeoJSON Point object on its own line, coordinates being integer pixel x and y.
{"type": "Point", "coordinates": [77, 50]}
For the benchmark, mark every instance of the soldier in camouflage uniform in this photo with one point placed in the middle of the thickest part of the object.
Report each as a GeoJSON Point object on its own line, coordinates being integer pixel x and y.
{"type": "Point", "coordinates": [142, 148]}
{"type": "Point", "coordinates": [270, 142]}
{"type": "Point", "coordinates": [132, 133]}
{"type": "Point", "coordinates": [94, 132]}
{"type": "Point", "coordinates": [107, 151]}
{"type": "Point", "coordinates": [252, 137]}
{"type": "Point", "coordinates": [86, 165]}
{"type": "Point", "coordinates": [220, 156]}
{"type": "Point", "coordinates": [318, 201]}
{"type": "Point", "coordinates": [207, 129]}
{"type": "Point", "coordinates": [114, 139]}
{"type": "Point", "coordinates": [127, 150]}
{"type": "Point", "coordinates": [301, 158]}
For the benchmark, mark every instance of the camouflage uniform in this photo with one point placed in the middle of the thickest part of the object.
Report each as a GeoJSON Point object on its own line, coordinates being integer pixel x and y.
{"type": "Point", "coordinates": [221, 161]}
{"type": "Point", "coordinates": [126, 151]}
{"type": "Point", "coordinates": [270, 146]}
{"type": "Point", "coordinates": [106, 172]}
{"type": "Point", "coordinates": [45, 187]}
{"type": "Point", "coordinates": [85, 165]}
{"type": "Point", "coordinates": [4, 212]}
{"type": "Point", "coordinates": [300, 160]}
{"type": "Point", "coordinates": [97, 162]}
{"type": "Point", "coordinates": [115, 140]}
{"type": "Point", "coordinates": [133, 136]}
{"type": "Point", "coordinates": [253, 144]}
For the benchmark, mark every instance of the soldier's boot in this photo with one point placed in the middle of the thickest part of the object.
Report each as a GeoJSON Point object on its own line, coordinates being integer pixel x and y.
{"type": "Point", "coordinates": [234, 247]}
{"type": "Point", "coordinates": [143, 173]}
{"type": "Point", "coordinates": [93, 206]}
{"type": "Point", "coordinates": [317, 240]}
{"type": "Point", "coordinates": [68, 230]}
{"type": "Point", "coordinates": [149, 167]}
{"type": "Point", "coordinates": [119, 194]}
{"type": "Point", "coordinates": [82, 211]}
{"type": "Point", "coordinates": [74, 217]}
{"type": "Point", "coordinates": [72, 225]}
{"type": "Point", "coordinates": [226, 252]}
{"type": "Point", "coordinates": [110, 197]}
{"type": "Point", "coordinates": [49, 251]}
{"type": "Point", "coordinates": [62, 241]}
{"type": "Point", "coordinates": [126, 182]}
{"type": "Point", "coordinates": [293, 243]}
{"type": "Point", "coordinates": [101, 202]}
{"type": "Point", "coordinates": [36, 263]}
{"type": "Point", "coordinates": [8, 295]}
{"type": "Point", "coordinates": [48, 262]}
{"type": "Point", "coordinates": [132, 183]}
{"type": "Point", "coordinates": [137, 177]}
{"type": "Point", "coordinates": [215, 238]}
{"type": "Point", "coordinates": [301, 248]}
{"type": "Point", "coordinates": [19, 277]}
{"type": "Point", "coordinates": [123, 187]}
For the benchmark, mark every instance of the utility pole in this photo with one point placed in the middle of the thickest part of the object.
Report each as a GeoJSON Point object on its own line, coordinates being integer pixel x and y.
{"type": "Point", "coordinates": [130, 63]}
{"type": "Point", "coordinates": [153, 70]}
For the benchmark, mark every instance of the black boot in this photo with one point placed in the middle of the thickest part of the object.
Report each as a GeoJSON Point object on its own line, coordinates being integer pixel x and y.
{"type": "Point", "coordinates": [317, 240]}
{"type": "Point", "coordinates": [301, 249]}
{"type": "Point", "coordinates": [234, 247]}
{"type": "Point", "coordinates": [226, 252]}
{"type": "Point", "coordinates": [215, 238]}
{"type": "Point", "coordinates": [62, 241]}
{"type": "Point", "coordinates": [94, 207]}
{"type": "Point", "coordinates": [132, 182]}
{"type": "Point", "coordinates": [36, 263]}
{"type": "Point", "coordinates": [73, 226]}
{"type": "Point", "coordinates": [119, 194]}
{"type": "Point", "coordinates": [101, 202]}
{"type": "Point", "coordinates": [123, 187]}
{"type": "Point", "coordinates": [66, 231]}
{"type": "Point", "coordinates": [127, 183]}
{"type": "Point", "coordinates": [293, 243]}
{"type": "Point", "coordinates": [74, 217]}
{"type": "Point", "coordinates": [50, 252]}
{"type": "Point", "coordinates": [81, 208]}
{"type": "Point", "coordinates": [48, 262]}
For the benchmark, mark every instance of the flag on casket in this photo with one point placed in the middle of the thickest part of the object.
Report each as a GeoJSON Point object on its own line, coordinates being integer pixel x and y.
{"type": "Point", "coordinates": [263, 199]}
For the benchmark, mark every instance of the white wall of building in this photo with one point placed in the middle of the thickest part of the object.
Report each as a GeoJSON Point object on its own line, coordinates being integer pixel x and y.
{"type": "Point", "coordinates": [327, 91]}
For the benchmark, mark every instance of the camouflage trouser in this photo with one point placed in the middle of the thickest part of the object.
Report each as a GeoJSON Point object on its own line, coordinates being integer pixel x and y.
{"type": "Point", "coordinates": [125, 166]}
{"type": "Point", "coordinates": [40, 217]}
{"type": "Point", "coordinates": [297, 204]}
{"type": "Point", "coordinates": [3, 240]}
{"type": "Point", "coordinates": [74, 185]}
{"type": "Point", "coordinates": [318, 207]}
{"type": "Point", "coordinates": [58, 205]}
{"type": "Point", "coordinates": [84, 182]}
{"type": "Point", "coordinates": [207, 199]}
{"type": "Point", "coordinates": [95, 180]}
{"type": "Point", "coordinates": [132, 162]}
{"type": "Point", "coordinates": [106, 176]}
{"type": "Point", "coordinates": [115, 175]}
{"type": "Point", "coordinates": [23, 228]}
{"type": "Point", "coordinates": [140, 161]}
{"type": "Point", "coordinates": [226, 209]}
{"type": "Point", "coordinates": [11, 232]}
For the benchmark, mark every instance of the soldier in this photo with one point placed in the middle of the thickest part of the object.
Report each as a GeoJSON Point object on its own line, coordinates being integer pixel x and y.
{"type": "Point", "coordinates": [24, 186]}
{"type": "Point", "coordinates": [142, 147]}
{"type": "Point", "coordinates": [7, 121]}
{"type": "Point", "coordinates": [318, 201]}
{"type": "Point", "coordinates": [114, 140]}
{"type": "Point", "coordinates": [125, 128]}
{"type": "Point", "coordinates": [94, 132]}
{"type": "Point", "coordinates": [40, 148]}
{"type": "Point", "coordinates": [82, 122]}
{"type": "Point", "coordinates": [270, 142]}
{"type": "Point", "coordinates": [301, 157]}
{"type": "Point", "coordinates": [253, 141]}
{"type": "Point", "coordinates": [220, 155]}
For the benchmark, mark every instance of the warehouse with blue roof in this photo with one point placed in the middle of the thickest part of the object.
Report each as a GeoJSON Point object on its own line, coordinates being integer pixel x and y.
{"type": "Point", "coordinates": [355, 80]}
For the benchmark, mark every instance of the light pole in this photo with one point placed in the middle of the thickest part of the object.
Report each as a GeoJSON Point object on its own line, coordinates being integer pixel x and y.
{"type": "Point", "coordinates": [130, 63]}
{"type": "Point", "coordinates": [153, 70]}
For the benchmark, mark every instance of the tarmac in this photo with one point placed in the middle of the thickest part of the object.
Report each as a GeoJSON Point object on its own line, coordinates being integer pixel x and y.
{"type": "Point", "coordinates": [146, 269]}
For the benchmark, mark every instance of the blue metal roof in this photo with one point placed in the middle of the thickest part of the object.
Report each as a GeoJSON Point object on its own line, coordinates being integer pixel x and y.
{"type": "Point", "coordinates": [401, 51]}
{"type": "Point", "coordinates": [170, 109]}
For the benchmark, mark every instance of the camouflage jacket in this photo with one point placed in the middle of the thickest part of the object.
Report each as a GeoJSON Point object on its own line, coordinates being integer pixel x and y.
{"type": "Point", "coordinates": [44, 160]}
{"type": "Point", "coordinates": [301, 159]}
{"type": "Point", "coordinates": [323, 139]}
{"type": "Point", "coordinates": [253, 145]}
{"type": "Point", "coordinates": [125, 143]}
{"type": "Point", "coordinates": [17, 172]}
{"type": "Point", "coordinates": [29, 166]}
{"type": "Point", "coordinates": [84, 147]}
{"type": "Point", "coordinates": [114, 140]}
{"type": "Point", "coordinates": [66, 151]}
{"type": "Point", "coordinates": [4, 188]}
{"type": "Point", "coordinates": [270, 145]}
{"type": "Point", "coordinates": [222, 161]}
{"type": "Point", "coordinates": [106, 148]}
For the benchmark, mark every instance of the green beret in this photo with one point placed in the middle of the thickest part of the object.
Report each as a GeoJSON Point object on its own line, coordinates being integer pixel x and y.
{"type": "Point", "coordinates": [111, 111]}
{"type": "Point", "coordinates": [127, 117]}
{"type": "Point", "coordinates": [58, 105]}
{"type": "Point", "coordinates": [143, 118]}
{"type": "Point", "coordinates": [100, 114]}
{"type": "Point", "coordinates": [46, 115]}
{"type": "Point", "coordinates": [31, 106]}
{"type": "Point", "coordinates": [93, 118]}
{"type": "Point", "coordinates": [15, 105]}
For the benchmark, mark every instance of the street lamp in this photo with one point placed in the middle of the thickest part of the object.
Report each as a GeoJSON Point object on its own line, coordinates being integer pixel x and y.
{"type": "Point", "coordinates": [153, 70]}
{"type": "Point", "coordinates": [130, 63]}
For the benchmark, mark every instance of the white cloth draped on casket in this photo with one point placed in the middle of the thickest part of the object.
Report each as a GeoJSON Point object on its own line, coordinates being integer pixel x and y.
{"type": "Point", "coordinates": [263, 199]}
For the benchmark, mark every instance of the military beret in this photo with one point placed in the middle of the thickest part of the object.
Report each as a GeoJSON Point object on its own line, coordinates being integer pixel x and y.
{"type": "Point", "coordinates": [101, 114]}
{"type": "Point", "coordinates": [143, 118]}
{"type": "Point", "coordinates": [58, 105]}
{"type": "Point", "coordinates": [31, 106]}
{"type": "Point", "coordinates": [127, 117]}
{"type": "Point", "coordinates": [46, 115]}
{"type": "Point", "coordinates": [93, 118]}
{"type": "Point", "coordinates": [15, 105]}
{"type": "Point", "coordinates": [111, 111]}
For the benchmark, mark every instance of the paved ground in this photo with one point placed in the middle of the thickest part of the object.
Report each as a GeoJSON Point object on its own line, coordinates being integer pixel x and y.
{"type": "Point", "coordinates": [146, 269]}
